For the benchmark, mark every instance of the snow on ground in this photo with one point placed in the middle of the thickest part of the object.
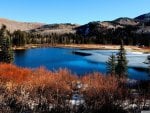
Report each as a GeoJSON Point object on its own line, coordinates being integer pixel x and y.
{"type": "Point", "coordinates": [135, 59]}
{"type": "Point", "coordinates": [145, 111]}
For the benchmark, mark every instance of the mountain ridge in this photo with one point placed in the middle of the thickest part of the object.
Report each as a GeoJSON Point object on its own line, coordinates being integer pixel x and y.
{"type": "Point", "coordinates": [13, 25]}
{"type": "Point", "coordinates": [62, 28]}
{"type": "Point", "coordinates": [143, 18]}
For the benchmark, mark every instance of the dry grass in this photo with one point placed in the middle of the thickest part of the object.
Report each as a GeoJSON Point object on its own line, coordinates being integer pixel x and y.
{"type": "Point", "coordinates": [107, 47]}
{"type": "Point", "coordinates": [88, 46]}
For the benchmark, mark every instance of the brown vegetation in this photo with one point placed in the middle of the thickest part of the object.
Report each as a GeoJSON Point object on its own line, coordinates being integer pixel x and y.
{"type": "Point", "coordinates": [87, 46]}
{"type": "Point", "coordinates": [40, 90]}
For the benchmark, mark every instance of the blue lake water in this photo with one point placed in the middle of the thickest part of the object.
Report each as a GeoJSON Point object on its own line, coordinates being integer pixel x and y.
{"type": "Point", "coordinates": [55, 58]}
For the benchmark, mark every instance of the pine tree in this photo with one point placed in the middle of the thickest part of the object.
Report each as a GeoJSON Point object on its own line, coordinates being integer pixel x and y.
{"type": "Point", "coordinates": [121, 67]}
{"type": "Point", "coordinates": [19, 38]}
{"type": "Point", "coordinates": [111, 65]}
{"type": "Point", "coordinates": [148, 58]}
{"type": "Point", "coordinates": [6, 53]}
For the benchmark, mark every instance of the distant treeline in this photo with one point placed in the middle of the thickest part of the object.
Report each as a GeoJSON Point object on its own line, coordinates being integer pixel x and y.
{"type": "Point", "coordinates": [131, 35]}
{"type": "Point", "coordinates": [94, 36]}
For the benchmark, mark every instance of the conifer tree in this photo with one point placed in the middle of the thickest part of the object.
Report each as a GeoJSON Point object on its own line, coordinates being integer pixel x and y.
{"type": "Point", "coordinates": [121, 67]}
{"type": "Point", "coordinates": [111, 65]}
{"type": "Point", "coordinates": [6, 53]}
{"type": "Point", "coordinates": [19, 38]}
{"type": "Point", "coordinates": [148, 58]}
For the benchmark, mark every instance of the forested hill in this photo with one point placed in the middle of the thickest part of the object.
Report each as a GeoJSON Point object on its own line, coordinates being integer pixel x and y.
{"type": "Point", "coordinates": [133, 31]}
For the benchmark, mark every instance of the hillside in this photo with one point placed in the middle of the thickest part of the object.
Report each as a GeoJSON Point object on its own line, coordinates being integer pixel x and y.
{"type": "Point", "coordinates": [126, 21]}
{"type": "Point", "coordinates": [56, 28]}
{"type": "Point", "coordinates": [23, 26]}
{"type": "Point", "coordinates": [140, 23]}
{"type": "Point", "coordinates": [143, 18]}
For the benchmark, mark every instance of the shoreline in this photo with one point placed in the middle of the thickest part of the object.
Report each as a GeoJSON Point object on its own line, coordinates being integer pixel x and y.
{"type": "Point", "coordinates": [86, 47]}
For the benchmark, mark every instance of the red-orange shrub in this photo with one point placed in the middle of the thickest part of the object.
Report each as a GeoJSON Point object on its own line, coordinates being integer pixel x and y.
{"type": "Point", "coordinates": [42, 86]}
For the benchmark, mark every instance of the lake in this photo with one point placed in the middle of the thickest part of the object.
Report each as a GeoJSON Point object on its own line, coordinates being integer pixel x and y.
{"type": "Point", "coordinates": [55, 58]}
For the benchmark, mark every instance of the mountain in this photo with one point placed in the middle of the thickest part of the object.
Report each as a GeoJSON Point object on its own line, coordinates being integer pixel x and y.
{"type": "Point", "coordinates": [38, 27]}
{"type": "Point", "coordinates": [143, 18]}
{"type": "Point", "coordinates": [133, 31]}
{"type": "Point", "coordinates": [126, 21]}
{"type": "Point", "coordinates": [97, 27]}
{"type": "Point", "coordinates": [56, 28]}
{"type": "Point", "coordinates": [141, 23]}
{"type": "Point", "coordinates": [23, 26]}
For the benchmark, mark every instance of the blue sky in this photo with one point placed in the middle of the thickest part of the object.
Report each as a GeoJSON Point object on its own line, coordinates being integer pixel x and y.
{"type": "Point", "coordinates": [71, 11]}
